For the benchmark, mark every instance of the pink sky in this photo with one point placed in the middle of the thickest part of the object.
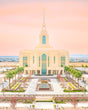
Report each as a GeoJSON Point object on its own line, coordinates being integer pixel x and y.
{"type": "Point", "coordinates": [66, 22]}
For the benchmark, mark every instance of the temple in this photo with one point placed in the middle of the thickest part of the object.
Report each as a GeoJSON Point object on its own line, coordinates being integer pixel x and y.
{"type": "Point", "coordinates": [43, 60]}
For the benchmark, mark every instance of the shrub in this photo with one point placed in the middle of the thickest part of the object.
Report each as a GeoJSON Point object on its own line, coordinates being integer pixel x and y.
{"type": "Point", "coordinates": [43, 81]}
{"type": "Point", "coordinates": [54, 106]}
{"type": "Point", "coordinates": [65, 90]}
{"type": "Point", "coordinates": [33, 106]}
{"type": "Point", "coordinates": [60, 101]}
{"type": "Point", "coordinates": [45, 101]}
{"type": "Point", "coordinates": [22, 90]}
{"type": "Point", "coordinates": [65, 79]}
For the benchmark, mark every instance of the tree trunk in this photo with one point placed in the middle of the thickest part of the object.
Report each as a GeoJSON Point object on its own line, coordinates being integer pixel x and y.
{"type": "Point", "coordinates": [18, 76]}
{"type": "Point", "coordinates": [9, 82]}
{"type": "Point", "coordinates": [15, 78]}
{"type": "Point", "coordinates": [72, 78]}
{"type": "Point", "coordinates": [75, 80]}
{"type": "Point", "coordinates": [69, 75]}
{"type": "Point", "coordinates": [78, 82]}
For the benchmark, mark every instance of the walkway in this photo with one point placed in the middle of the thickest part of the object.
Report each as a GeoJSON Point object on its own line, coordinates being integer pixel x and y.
{"type": "Point", "coordinates": [56, 87]}
{"type": "Point", "coordinates": [44, 105]}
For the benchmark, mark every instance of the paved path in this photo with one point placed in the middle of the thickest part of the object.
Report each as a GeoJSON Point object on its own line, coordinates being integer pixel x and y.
{"type": "Point", "coordinates": [31, 86]}
{"type": "Point", "coordinates": [57, 89]}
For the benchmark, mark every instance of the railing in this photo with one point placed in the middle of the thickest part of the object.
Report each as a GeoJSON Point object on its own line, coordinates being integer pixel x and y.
{"type": "Point", "coordinates": [34, 95]}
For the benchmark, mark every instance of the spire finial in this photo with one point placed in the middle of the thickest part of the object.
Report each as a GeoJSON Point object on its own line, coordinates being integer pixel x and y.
{"type": "Point", "coordinates": [43, 15]}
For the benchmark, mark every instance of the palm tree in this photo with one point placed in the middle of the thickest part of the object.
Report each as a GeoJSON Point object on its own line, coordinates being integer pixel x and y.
{"type": "Point", "coordinates": [15, 73]}
{"type": "Point", "coordinates": [9, 76]}
{"type": "Point", "coordinates": [78, 75]}
{"type": "Point", "coordinates": [67, 70]}
{"type": "Point", "coordinates": [19, 71]}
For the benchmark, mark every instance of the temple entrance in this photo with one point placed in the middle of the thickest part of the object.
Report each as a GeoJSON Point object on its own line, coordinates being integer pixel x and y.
{"type": "Point", "coordinates": [44, 66]}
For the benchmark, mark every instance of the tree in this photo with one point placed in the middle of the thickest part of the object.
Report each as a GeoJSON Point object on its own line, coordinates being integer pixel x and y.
{"type": "Point", "coordinates": [82, 65]}
{"type": "Point", "coordinates": [78, 75]}
{"type": "Point", "coordinates": [74, 73]}
{"type": "Point", "coordinates": [66, 69]}
{"type": "Point", "coordinates": [86, 66]}
{"type": "Point", "coordinates": [9, 75]}
{"type": "Point", "coordinates": [19, 70]}
{"type": "Point", "coordinates": [15, 73]}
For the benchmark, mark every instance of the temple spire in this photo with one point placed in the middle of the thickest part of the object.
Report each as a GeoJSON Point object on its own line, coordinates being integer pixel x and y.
{"type": "Point", "coordinates": [44, 19]}
{"type": "Point", "coordinates": [43, 15]}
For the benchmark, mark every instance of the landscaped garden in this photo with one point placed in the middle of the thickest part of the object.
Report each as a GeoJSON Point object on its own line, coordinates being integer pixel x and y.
{"type": "Point", "coordinates": [18, 83]}
{"type": "Point", "coordinates": [70, 83]}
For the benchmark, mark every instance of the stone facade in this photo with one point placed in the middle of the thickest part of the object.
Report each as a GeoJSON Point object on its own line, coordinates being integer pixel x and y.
{"type": "Point", "coordinates": [43, 59]}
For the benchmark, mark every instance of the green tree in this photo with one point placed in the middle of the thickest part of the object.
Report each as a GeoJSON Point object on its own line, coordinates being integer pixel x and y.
{"type": "Point", "coordinates": [82, 65]}
{"type": "Point", "coordinates": [78, 75]}
{"type": "Point", "coordinates": [9, 75]}
{"type": "Point", "coordinates": [15, 73]}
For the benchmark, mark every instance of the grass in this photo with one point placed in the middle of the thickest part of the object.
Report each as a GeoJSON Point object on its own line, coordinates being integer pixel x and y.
{"type": "Point", "coordinates": [22, 79]}
{"type": "Point", "coordinates": [71, 85]}
{"type": "Point", "coordinates": [60, 101]}
{"type": "Point", "coordinates": [65, 90]}
{"type": "Point", "coordinates": [12, 85]}
{"type": "Point", "coordinates": [65, 79]}
{"type": "Point", "coordinates": [22, 90]}
{"type": "Point", "coordinates": [43, 81]}
{"type": "Point", "coordinates": [25, 101]}
{"type": "Point", "coordinates": [44, 101]}
{"type": "Point", "coordinates": [16, 86]}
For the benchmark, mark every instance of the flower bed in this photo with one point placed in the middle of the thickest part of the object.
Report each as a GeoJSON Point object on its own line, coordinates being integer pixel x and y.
{"type": "Point", "coordinates": [15, 90]}
{"type": "Point", "coordinates": [16, 86]}
{"type": "Point", "coordinates": [65, 79]}
{"type": "Point", "coordinates": [12, 85]}
{"type": "Point", "coordinates": [43, 81]}
{"type": "Point", "coordinates": [71, 85]}
{"type": "Point", "coordinates": [65, 90]}
{"type": "Point", "coordinates": [44, 101]}
{"type": "Point", "coordinates": [22, 79]}
{"type": "Point", "coordinates": [60, 101]}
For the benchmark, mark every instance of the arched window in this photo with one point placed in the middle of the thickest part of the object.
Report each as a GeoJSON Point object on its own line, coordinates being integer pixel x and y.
{"type": "Point", "coordinates": [44, 40]}
{"type": "Point", "coordinates": [25, 62]}
{"type": "Point", "coordinates": [44, 64]}
{"type": "Point", "coordinates": [62, 61]}
{"type": "Point", "coordinates": [54, 59]}
{"type": "Point", "coordinates": [33, 59]}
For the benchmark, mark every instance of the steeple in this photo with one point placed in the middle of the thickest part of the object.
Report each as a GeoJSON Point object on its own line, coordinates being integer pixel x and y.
{"type": "Point", "coordinates": [43, 15]}
{"type": "Point", "coordinates": [43, 38]}
{"type": "Point", "coordinates": [44, 19]}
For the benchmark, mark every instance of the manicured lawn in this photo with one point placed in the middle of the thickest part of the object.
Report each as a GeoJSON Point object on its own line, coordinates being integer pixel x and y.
{"type": "Point", "coordinates": [65, 90]}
